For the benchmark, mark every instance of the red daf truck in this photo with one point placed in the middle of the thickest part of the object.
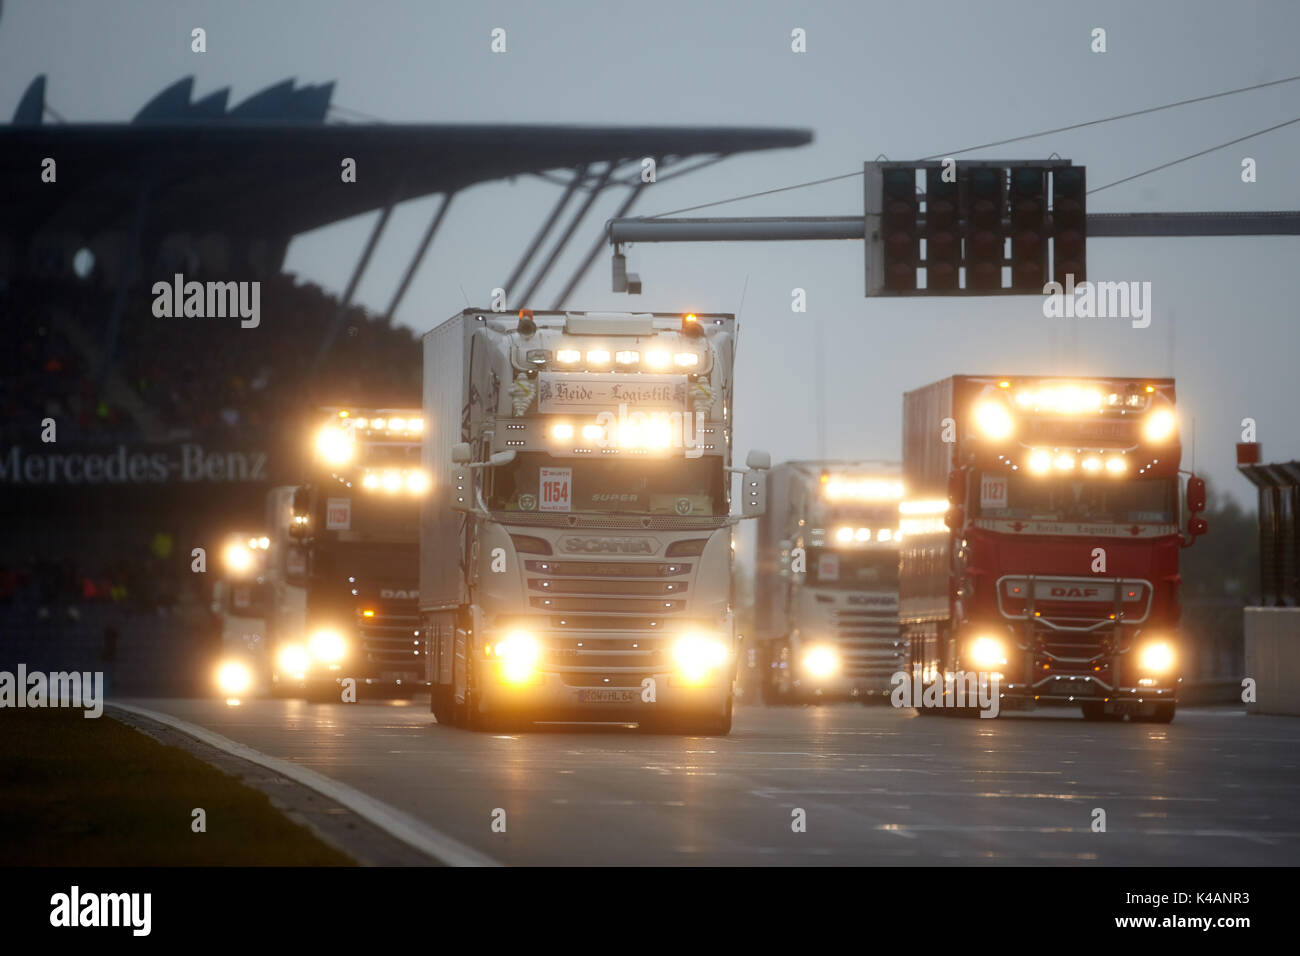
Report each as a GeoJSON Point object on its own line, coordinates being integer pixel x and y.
{"type": "Point", "coordinates": [1041, 540]}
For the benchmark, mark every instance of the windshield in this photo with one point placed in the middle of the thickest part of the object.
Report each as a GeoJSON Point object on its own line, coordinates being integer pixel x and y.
{"type": "Point", "coordinates": [679, 486]}
{"type": "Point", "coordinates": [379, 563]}
{"type": "Point", "coordinates": [244, 599]}
{"type": "Point", "coordinates": [359, 516]}
{"type": "Point", "coordinates": [853, 570]}
{"type": "Point", "coordinates": [1147, 500]}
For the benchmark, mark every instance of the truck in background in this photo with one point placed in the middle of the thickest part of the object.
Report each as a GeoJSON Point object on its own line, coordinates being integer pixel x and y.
{"type": "Point", "coordinates": [343, 561]}
{"type": "Point", "coordinates": [826, 581]}
{"type": "Point", "coordinates": [576, 548]}
{"type": "Point", "coordinates": [240, 595]}
{"type": "Point", "coordinates": [1041, 540]}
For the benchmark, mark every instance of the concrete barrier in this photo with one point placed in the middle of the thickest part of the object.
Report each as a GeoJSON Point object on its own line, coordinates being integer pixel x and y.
{"type": "Point", "coordinates": [1273, 659]}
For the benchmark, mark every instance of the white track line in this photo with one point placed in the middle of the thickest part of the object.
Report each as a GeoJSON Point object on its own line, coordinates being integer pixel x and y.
{"type": "Point", "coordinates": [396, 822]}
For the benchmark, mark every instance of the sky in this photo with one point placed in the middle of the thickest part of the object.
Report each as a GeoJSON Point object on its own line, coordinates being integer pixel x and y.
{"type": "Point", "coordinates": [901, 80]}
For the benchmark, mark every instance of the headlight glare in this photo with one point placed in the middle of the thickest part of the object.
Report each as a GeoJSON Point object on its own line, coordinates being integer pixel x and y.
{"type": "Point", "coordinates": [328, 646]}
{"type": "Point", "coordinates": [988, 653]}
{"type": "Point", "coordinates": [821, 661]}
{"type": "Point", "coordinates": [1156, 657]}
{"type": "Point", "coordinates": [519, 653]}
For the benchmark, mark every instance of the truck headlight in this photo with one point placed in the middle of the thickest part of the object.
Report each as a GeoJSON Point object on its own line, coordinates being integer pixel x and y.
{"type": "Point", "coordinates": [334, 445]}
{"type": "Point", "coordinates": [519, 653]}
{"type": "Point", "coordinates": [698, 655]}
{"type": "Point", "coordinates": [1159, 425]}
{"type": "Point", "coordinates": [988, 653]}
{"type": "Point", "coordinates": [1156, 657]}
{"type": "Point", "coordinates": [821, 661]}
{"type": "Point", "coordinates": [328, 646]}
{"type": "Point", "coordinates": [233, 677]}
{"type": "Point", "coordinates": [238, 558]}
{"type": "Point", "coordinates": [293, 659]}
{"type": "Point", "coordinates": [417, 481]}
{"type": "Point", "coordinates": [993, 419]}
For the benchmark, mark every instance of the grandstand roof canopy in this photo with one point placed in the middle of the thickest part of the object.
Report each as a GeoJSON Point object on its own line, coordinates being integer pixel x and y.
{"type": "Point", "coordinates": [270, 166]}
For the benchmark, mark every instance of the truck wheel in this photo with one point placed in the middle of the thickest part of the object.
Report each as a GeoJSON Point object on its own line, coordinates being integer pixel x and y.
{"type": "Point", "coordinates": [1095, 710]}
{"type": "Point", "coordinates": [689, 726]}
{"type": "Point", "coordinates": [440, 704]}
{"type": "Point", "coordinates": [713, 727]}
{"type": "Point", "coordinates": [1164, 714]}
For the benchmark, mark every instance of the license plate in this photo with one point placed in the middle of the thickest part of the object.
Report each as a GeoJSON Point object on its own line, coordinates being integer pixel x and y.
{"type": "Point", "coordinates": [608, 695]}
{"type": "Point", "coordinates": [1123, 707]}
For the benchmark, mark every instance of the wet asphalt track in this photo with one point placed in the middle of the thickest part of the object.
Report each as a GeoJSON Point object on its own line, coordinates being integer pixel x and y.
{"type": "Point", "coordinates": [878, 786]}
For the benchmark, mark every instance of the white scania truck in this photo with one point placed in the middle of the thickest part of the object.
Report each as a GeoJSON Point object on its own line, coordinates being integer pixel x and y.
{"type": "Point", "coordinates": [826, 581]}
{"type": "Point", "coordinates": [576, 545]}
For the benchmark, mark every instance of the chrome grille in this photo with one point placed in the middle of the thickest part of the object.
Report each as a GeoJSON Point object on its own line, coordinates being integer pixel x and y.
{"type": "Point", "coordinates": [391, 641]}
{"type": "Point", "coordinates": [606, 619]}
{"type": "Point", "coordinates": [869, 643]}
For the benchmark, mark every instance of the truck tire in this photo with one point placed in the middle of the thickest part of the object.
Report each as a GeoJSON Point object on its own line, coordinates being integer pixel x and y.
{"type": "Point", "coordinates": [709, 727]}
{"type": "Point", "coordinates": [721, 726]}
{"type": "Point", "coordinates": [440, 704]}
{"type": "Point", "coordinates": [776, 693]}
{"type": "Point", "coordinates": [1164, 714]}
{"type": "Point", "coordinates": [1095, 710]}
{"type": "Point", "coordinates": [690, 725]}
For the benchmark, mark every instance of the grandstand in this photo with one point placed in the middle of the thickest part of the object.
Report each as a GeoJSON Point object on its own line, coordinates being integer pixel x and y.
{"type": "Point", "coordinates": [217, 192]}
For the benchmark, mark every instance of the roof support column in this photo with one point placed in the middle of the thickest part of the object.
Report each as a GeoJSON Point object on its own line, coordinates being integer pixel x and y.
{"type": "Point", "coordinates": [138, 218]}
{"type": "Point", "coordinates": [429, 233]}
{"type": "Point", "coordinates": [331, 333]}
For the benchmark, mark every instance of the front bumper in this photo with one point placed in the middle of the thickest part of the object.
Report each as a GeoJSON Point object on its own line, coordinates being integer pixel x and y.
{"type": "Point", "coordinates": [842, 687]}
{"type": "Point", "coordinates": [552, 697]}
{"type": "Point", "coordinates": [1071, 691]}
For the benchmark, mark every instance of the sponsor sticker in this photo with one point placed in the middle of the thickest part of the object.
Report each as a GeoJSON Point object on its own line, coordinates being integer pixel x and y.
{"type": "Point", "coordinates": [993, 492]}
{"type": "Point", "coordinates": [338, 514]}
{"type": "Point", "coordinates": [556, 489]}
{"type": "Point", "coordinates": [828, 567]}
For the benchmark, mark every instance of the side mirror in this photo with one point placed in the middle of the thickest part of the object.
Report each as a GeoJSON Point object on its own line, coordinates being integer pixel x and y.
{"type": "Point", "coordinates": [295, 565]}
{"type": "Point", "coordinates": [954, 517]}
{"type": "Point", "coordinates": [462, 453]}
{"type": "Point", "coordinates": [758, 460]}
{"type": "Point", "coordinates": [1197, 527]}
{"type": "Point", "coordinates": [300, 512]}
{"type": "Point", "coordinates": [1195, 495]}
{"type": "Point", "coordinates": [502, 458]}
{"type": "Point", "coordinates": [957, 487]}
{"type": "Point", "coordinates": [462, 488]}
{"type": "Point", "coordinates": [753, 493]}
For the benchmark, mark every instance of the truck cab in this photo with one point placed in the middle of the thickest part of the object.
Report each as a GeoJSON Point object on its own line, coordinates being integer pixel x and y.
{"type": "Point", "coordinates": [576, 553]}
{"type": "Point", "coordinates": [827, 581]}
{"type": "Point", "coordinates": [1052, 562]}
{"type": "Point", "coordinates": [345, 557]}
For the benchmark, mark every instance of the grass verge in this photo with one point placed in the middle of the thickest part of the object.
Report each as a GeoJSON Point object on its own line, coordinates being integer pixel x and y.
{"type": "Point", "coordinates": [79, 792]}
